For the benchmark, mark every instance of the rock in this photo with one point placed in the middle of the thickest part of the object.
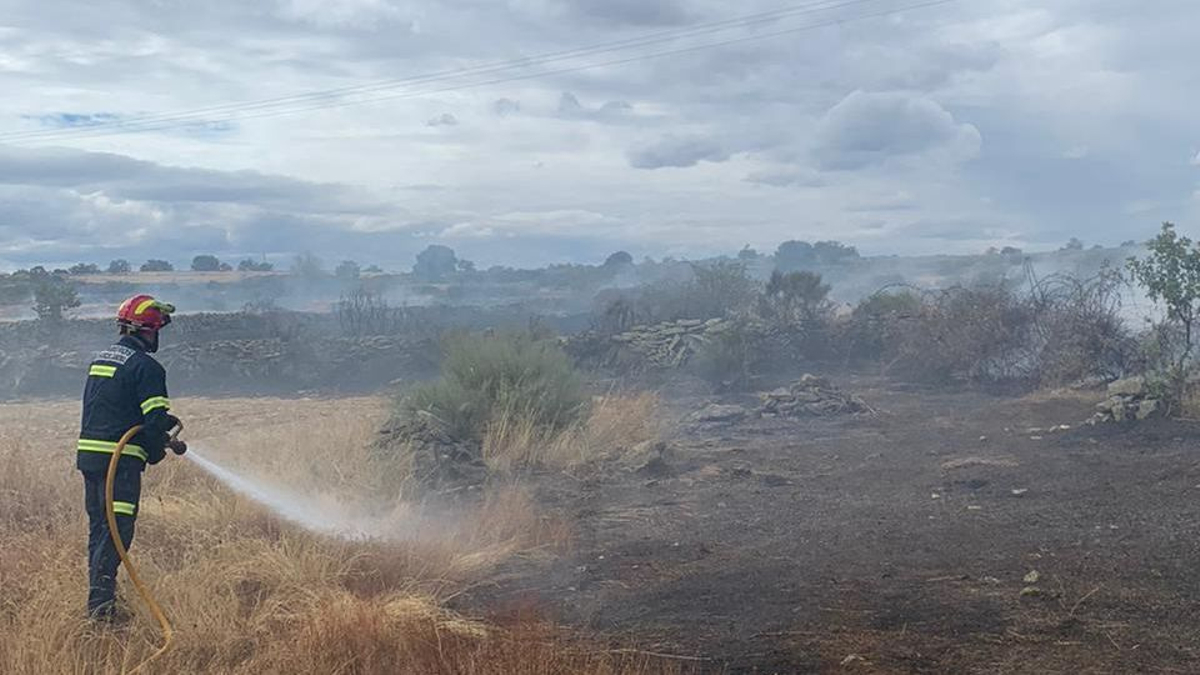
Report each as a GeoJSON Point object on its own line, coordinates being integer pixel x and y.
{"type": "Point", "coordinates": [1030, 592]}
{"type": "Point", "coordinates": [1032, 577]}
{"type": "Point", "coordinates": [1130, 386]}
{"type": "Point", "coordinates": [1147, 409]}
{"type": "Point", "coordinates": [719, 414]}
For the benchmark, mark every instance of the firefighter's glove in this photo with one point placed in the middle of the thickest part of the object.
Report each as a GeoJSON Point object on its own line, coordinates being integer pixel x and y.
{"type": "Point", "coordinates": [177, 446]}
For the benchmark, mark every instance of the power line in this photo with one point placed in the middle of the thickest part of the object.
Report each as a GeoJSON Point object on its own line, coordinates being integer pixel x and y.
{"type": "Point", "coordinates": [199, 115]}
{"type": "Point", "coordinates": [334, 98]}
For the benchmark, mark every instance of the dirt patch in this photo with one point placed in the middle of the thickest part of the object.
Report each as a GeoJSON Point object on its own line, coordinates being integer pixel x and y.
{"type": "Point", "coordinates": [889, 544]}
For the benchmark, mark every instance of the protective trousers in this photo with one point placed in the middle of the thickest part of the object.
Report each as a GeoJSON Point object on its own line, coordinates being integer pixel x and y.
{"type": "Point", "coordinates": [102, 554]}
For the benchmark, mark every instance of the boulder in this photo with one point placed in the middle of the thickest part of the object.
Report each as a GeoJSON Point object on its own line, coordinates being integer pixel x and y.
{"type": "Point", "coordinates": [1130, 386]}
{"type": "Point", "coordinates": [1147, 409]}
{"type": "Point", "coordinates": [719, 414]}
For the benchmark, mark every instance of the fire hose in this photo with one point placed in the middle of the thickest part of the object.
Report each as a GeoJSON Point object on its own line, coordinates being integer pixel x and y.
{"type": "Point", "coordinates": [168, 633]}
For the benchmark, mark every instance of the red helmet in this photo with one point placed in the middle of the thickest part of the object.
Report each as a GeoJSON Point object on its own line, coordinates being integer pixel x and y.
{"type": "Point", "coordinates": [143, 312]}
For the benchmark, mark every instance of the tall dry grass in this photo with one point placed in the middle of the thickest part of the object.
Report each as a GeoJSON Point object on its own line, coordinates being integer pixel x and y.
{"type": "Point", "coordinates": [247, 591]}
{"type": "Point", "coordinates": [616, 424]}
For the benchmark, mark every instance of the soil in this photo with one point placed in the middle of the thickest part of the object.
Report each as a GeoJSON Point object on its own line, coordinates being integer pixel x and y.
{"type": "Point", "coordinates": [945, 534]}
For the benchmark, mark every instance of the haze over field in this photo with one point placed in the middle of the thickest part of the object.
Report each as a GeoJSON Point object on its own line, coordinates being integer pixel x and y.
{"type": "Point", "coordinates": [945, 128]}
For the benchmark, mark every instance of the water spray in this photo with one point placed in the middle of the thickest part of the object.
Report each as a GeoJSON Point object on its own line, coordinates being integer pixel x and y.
{"type": "Point", "coordinates": [312, 512]}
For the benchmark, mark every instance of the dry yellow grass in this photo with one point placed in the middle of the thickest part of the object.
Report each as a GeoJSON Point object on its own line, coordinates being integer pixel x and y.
{"type": "Point", "coordinates": [615, 426]}
{"type": "Point", "coordinates": [248, 592]}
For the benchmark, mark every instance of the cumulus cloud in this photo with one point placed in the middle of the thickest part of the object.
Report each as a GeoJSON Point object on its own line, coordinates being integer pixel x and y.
{"type": "Point", "coordinates": [677, 151]}
{"type": "Point", "coordinates": [870, 128]}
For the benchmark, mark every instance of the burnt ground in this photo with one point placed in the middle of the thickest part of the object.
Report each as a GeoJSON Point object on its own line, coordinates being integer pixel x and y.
{"type": "Point", "coordinates": [902, 542]}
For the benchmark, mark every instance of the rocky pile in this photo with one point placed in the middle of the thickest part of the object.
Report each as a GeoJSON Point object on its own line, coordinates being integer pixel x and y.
{"type": "Point", "coordinates": [1128, 399]}
{"type": "Point", "coordinates": [811, 396]}
{"type": "Point", "coordinates": [439, 461]}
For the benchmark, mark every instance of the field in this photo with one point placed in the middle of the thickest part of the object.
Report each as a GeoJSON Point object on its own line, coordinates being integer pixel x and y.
{"type": "Point", "coordinates": [949, 532]}
{"type": "Point", "coordinates": [250, 593]}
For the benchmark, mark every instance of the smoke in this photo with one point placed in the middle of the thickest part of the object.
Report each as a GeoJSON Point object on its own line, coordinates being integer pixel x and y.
{"type": "Point", "coordinates": [323, 514]}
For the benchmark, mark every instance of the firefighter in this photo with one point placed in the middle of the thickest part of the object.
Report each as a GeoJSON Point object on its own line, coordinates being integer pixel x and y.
{"type": "Point", "coordinates": [125, 387]}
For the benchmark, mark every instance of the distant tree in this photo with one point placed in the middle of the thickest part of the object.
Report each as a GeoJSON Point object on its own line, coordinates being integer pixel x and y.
{"type": "Point", "coordinates": [794, 255]}
{"type": "Point", "coordinates": [831, 252]}
{"type": "Point", "coordinates": [796, 297]}
{"type": "Point", "coordinates": [252, 265]}
{"type": "Point", "coordinates": [373, 269]}
{"type": "Point", "coordinates": [157, 266]}
{"type": "Point", "coordinates": [226, 267]}
{"type": "Point", "coordinates": [466, 266]}
{"type": "Point", "coordinates": [84, 268]}
{"type": "Point", "coordinates": [52, 298]}
{"type": "Point", "coordinates": [206, 263]}
{"type": "Point", "coordinates": [119, 266]}
{"type": "Point", "coordinates": [1010, 251]}
{"type": "Point", "coordinates": [1073, 245]}
{"type": "Point", "coordinates": [1129, 244]}
{"type": "Point", "coordinates": [747, 253]}
{"type": "Point", "coordinates": [618, 259]}
{"type": "Point", "coordinates": [308, 266]}
{"type": "Point", "coordinates": [348, 269]}
{"type": "Point", "coordinates": [435, 263]}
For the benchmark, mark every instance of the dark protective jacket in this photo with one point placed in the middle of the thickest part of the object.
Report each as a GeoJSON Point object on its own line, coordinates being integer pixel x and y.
{"type": "Point", "coordinates": [125, 387]}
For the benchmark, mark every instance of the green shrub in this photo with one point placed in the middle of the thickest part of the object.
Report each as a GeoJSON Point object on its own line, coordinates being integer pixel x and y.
{"type": "Point", "coordinates": [486, 378]}
{"type": "Point", "coordinates": [735, 359]}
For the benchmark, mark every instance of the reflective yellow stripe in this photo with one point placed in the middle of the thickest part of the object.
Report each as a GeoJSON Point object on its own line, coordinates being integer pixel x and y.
{"type": "Point", "coordinates": [154, 403]}
{"type": "Point", "coordinates": [108, 448]}
{"type": "Point", "coordinates": [124, 508]}
{"type": "Point", "coordinates": [146, 304]}
{"type": "Point", "coordinates": [102, 371]}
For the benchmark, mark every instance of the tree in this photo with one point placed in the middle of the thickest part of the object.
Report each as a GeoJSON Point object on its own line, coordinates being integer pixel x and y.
{"type": "Point", "coordinates": [794, 255]}
{"type": "Point", "coordinates": [373, 269]}
{"type": "Point", "coordinates": [466, 266]}
{"type": "Point", "coordinates": [251, 265]}
{"type": "Point", "coordinates": [796, 297]}
{"type": "Point", "coordinates": [618, 259]}
{"type": "Point", "coordinates": [226, 267]}
{"type": "Point", "coordinates": [348, 269]}
{"type": "Point", "coordinates": [157, 266]}
{"type": "Point", "coordinates": [747, 254]}
{"type": "Point", "coordinates": [119, 266]}
{"type": "Point", "coordinates": [84, 268]}
{"type": "Point", "coordinates": [206, 263]}
{"type": "Point", "coordinates": [52, 297]}
{"type": "Point", "coordinates": [1171, 275]}
{"type": "Point", "coordinates": [435, 263]}
{"type": "Point", "coordinates": [308, 266]}
{"type": "Point", "coordinates": [1073, 245]}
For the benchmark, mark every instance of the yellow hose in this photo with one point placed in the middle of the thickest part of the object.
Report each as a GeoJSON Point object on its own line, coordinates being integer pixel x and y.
{"type": "Point", "coordinates": [168, 632]}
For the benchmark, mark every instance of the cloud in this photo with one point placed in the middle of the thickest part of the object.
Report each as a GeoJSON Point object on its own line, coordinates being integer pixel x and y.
{"type": "Point", "coordinates": [506, 107]}
{"type": "Point", "coordinates": [1196, 159]}
{"type": "Point", "coordinates": [786, 177]}
{"type": "Point", "coordinates": [677, 151]}
{"type": "Point", "coordinates": [569, 107]}
{"type": "Point", "coordinates": [443, 120]}
{"type": "Point", "coordinates": [866, 129]}
{"type": "Point", "coordinates": [631, 12]}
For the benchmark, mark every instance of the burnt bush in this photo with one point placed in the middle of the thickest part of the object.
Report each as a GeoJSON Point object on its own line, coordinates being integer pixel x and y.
{"type": "Point", "coordinates": [1055, 331]}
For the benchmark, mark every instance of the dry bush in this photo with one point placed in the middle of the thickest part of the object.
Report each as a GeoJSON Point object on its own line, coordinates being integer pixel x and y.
{"type": "Point", "coordinates": [489, 378]}
{"type": "Point", "coordinates": [247, 591]}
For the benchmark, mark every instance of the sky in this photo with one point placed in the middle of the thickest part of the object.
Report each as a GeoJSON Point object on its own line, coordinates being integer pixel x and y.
{"type": "Point", "coordinates": [947, 128]}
